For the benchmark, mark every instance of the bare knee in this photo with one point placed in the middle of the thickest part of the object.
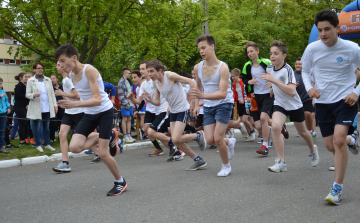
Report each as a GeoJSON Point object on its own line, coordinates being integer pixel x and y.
{"type": "Point", "coordinates": [151, 132]}
{"type": "Point", "coordinates": [75, 148]}
{"type": "Point", "coordinates": [276, 128]}
{"type": "Point", "coordinates": [218, 140]}
{"type": "Point", "coordinates": [62, 135]}
{"type": "Point", "coordinates": [329, 146]}
{"type": "Point", "coordinates": [339, 141]}
{"type": "Point", "coordinates": [176, 140]}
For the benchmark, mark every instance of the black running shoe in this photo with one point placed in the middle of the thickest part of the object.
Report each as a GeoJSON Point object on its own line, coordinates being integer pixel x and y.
{"type": "Point", "coordinates": [96, 159]}
{"type": "Point", "coordinates": [285, 132]}
{"type": "Point", "coordinates": [172, 150]}
{"type": "Point", "coordinates": [113, 146]}
{"type": "Point", "coordinates": [118, 188]}
{"type": "Point", "coordinates": [11, 146]}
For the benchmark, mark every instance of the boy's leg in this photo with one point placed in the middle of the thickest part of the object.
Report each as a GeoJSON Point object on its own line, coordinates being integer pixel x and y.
{"type": "Point", "coordinates": [264, 119]}
{"type": "Point", "coordinates": [341, 154]}
{"type": "Point", "coordinates": [124, 124]}
{"type": "Point", "coordinates": [278, 121]}
{"type": "Point", "coordinates": [80, 142]}
{"type": "Point", "coordinates": [308, 120]}
{"type": "Point", "coordinates": [107, 159]}
{"type": "Point", "coordinates": [221, 141]}
{"type": "Point", "coordinates": [64, 130]}
{"type": "Point", "coordinates": [302, 130]}
{"type": "Point", "coordinates": [180, 140]}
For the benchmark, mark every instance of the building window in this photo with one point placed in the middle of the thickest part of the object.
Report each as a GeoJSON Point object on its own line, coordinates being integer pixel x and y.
{"type": "Point", "coordinates": [23, 62]}
{"type": "Point", "coordinates": [12, 61]}
{"type": "Point", "coordinates": [1, 61]}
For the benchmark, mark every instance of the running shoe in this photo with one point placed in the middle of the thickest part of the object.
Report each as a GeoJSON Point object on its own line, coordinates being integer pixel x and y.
{"type": "Point", "coordinates": [252, 136]}
{"type": "Point", "coordinates": [315, 157]}
{"type": "Point", "coordinates": [332, 168]}
{"type": "Point", "coordinates": [355, 148]}
{"type": "Point", "coordinates": [298, 135]}
{"type": "Point", "coordinates": [11, 146]}
{"type": "Point", "coordinates": [197, 165]}
{"type": "Point", "coordinates": [131, 139]}
{"type": "Point", "coordinates": [89, 151]}
{"type": "Point", "coordinates": [126, 139]}
{"type": "Point", "coordinates": [50, 148]}
{"type": "Point", "coordinates": [3, 150]}
{"type": "Point", "coordinates": [118, 188]}
{"type": "Point", "coordinates": [172, 150]}
{"type": "Point", "coordinates": [270, 144]}
{"type": "Point", "coordinates": [213, 147]}
{"type": "Point", "coordinates": [96, 159]}
{"type": "Point", "coordinates": [334, 196]}
{"type": "Point", "coordinates": [113, 145]}
{"type": "Point", "coordinates": [40, 149]}
{"type": "Point", "coordinates": [231, 148]}
{"type": "Point", "coordinates": [176, 157]}
{"type": "Point", "coordinates": [157, 152]}
{"type": "Point", "coordinates": [263, 150]}
{"type": "Point", "coordinates": [62, 168]}
{"type": "Point", "coordinates": [314, 136]}
{"type": "Point", "coordinates": [278, 166]}
{"type": "Point", "coordinates": [201, 141]}
{"type": "Point", "coordinates": [243, 130]}
{"type": "Point", "coordinates": [285, 132]}
{"type": "Point", "coordinates": [27, 141]}
{"type": "Point", "coordinates": [32, 140]}
{"type": "Point", "coordinates": [224, 172]}
{"type": "Point", "coordinates": [260, 140]}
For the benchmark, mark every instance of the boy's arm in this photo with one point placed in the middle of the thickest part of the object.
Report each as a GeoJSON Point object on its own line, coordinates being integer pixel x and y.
{"type": "Point", "coordinates": [156, 100]}
{"type": "Point", "coordinates": [289, 88]}
{"type": "Point", "coordinates": [174, 77]}
{"type": "Point", "coordinates": [92, 75]}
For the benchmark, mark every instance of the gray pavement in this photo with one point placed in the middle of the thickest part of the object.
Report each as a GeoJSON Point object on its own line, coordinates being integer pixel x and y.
{"type": "Point", "coordinates": [165, 192]}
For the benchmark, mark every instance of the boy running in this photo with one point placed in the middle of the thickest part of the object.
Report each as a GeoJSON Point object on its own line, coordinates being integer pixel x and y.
{"type": "Point", "coordinates": [287, 103]}
{"type": "Point", "coordinates": [98, 111]}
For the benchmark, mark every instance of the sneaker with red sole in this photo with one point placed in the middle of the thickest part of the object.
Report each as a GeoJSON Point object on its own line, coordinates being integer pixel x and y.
{"type": "Point", "coordinates": [32, 140]}
{"type": "Point", "coordinates": [118, 188]}
{"type": "Point", "coordinates": [263, 150]}
{"type": "Point", "coordinates": [113, 146]}
{"type": "Point", "coordinates": [285, 132]}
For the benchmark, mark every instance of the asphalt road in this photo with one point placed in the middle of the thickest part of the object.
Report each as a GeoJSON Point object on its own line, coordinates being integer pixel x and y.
{"type": "Point", "coordinates": [165, 192]}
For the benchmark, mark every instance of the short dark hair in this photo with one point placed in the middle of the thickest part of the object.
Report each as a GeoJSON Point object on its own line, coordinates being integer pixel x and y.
{"type": "Point", "coordinates": [327, 15]}
{"type": "Point", "coordinates": [143, 62]}
{"type": "Point", "coordinates": [155, 64]}
{"type": "Point", "coordinates": [137, 72]}
{"type": "Point", "coordinates": [37, 63]}
{"type": "Point", "coordinates": [19, 76]}
{"type": "Point", "coordinates": [209, 39]}
{"type": "Point", "coordinates": [67, 49]}
{"type": "Point", "coordinates": [124, 69]}
{"type": "Point", "coordinates": [282, 46]}
{"type": "Point", "coordinates": [251, 44]}
{"type": "Point", "coordinates": [299, 58]}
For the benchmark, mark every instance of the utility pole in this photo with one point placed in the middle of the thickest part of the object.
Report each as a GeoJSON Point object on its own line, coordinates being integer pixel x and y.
{"type": "Point", "coordinates": [205, 29]}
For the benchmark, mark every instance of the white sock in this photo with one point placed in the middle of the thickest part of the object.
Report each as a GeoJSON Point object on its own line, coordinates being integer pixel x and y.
{"type": "Point", "coordinates": [311, 131]}
{"type": "Point", "coordinates": [353, 140]}
{"type": "Point", "coordinates": [120, 181]}
{"type": "Point", "coordinates": [119, 141]}
{"type": "Point", "coordinates": [266, 144]}
{"type": "Point", "coordinates": [341, 185]}
{"type": "Point", "coordinates": [314, 133]}
{"type": "Point", "coordinates": [226, 165]}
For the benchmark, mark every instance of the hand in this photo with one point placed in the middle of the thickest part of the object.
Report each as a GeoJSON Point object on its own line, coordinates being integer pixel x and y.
{"type": "Point", "coordinates": [131, 96]}
{"type": "Point", "coordinates": [253, 81]}
{"type": "Point", "coordinates": [8, 111]}
{"type": "Point", "coordinates": [271, 93]}
{"type": "Point", "coordinates": [267, 77]}
{"type": "Point", "coordinates": [56, 109]}
{"type": "Point", "coordinates": [147, 96]}
{"type": "Point", "coordinates": [36, 95]}
{"type": "Point", "coordinates": [127, 107]}
{"type": "Point", "coordinates": [268, 85]}
{"type": "Point", "coordinates": [2, 95]}
{"type": "Point", "coordinates": [27, 106]}
{"type": "Point", "coordinates": [66, 103]}
{"type": "Point", "coordinates": [196, 93]}
{"type": "Point", "coordinates": [247, 111]}
{"type": "Point", "coordinates": [248, 100]}
{"type": "Point", "coordinates": [195, 111]}
{"type": "Point", "coordinates": [113, 101]}
{"type": "Point", "coordinates": [351, 99]}
{"type": "Point", "coordinates": [135, 114]}
{"type": "Point", "coordinates": [168, 110]}
{"type": "Point", "coordinates": [241, 101]}
{"type": "Point", "coordinates": [58, 92]}
{"type": "Point", "coordinates": [297, 83]}
{"type": "Point", "coordinates": [313, 93]}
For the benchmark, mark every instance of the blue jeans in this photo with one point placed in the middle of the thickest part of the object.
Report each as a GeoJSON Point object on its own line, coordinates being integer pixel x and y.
{"type": "Point", "coordinates": [2, 129]}
{"type": "Point", "coordinates": [41, 129]}
{"type": "Point", "coordinates": [15, 127]}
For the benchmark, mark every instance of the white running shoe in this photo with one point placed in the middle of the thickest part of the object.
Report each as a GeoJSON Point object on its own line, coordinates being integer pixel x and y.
{"type": "Point", "coordinates": [315, 157]}
{"type": "Point", "coordinates": [243, 130]}
{"type": "Point", "coordinates": [278, 166]}
{"type": "Point", "coordinates": [332, 168]}
{"type": "Point", "coordinates": [335, 194]}
{"type": "Point", "coordinates": [231, 148]}
{"type": "Point", "coordinates": [224, 172]}
{"type": "Point", "coordinates": [260, 140]}
{"type": "Point", "coordinates": [131, 139]}
{"type": "Point", "coordinates": [252, 136]}
{"type": "Point", "coordinates": [40, 149]}
{"type": "Point", "coordinates": [355, 148]}
{"type": "Point", "coordinates": [50, 148]}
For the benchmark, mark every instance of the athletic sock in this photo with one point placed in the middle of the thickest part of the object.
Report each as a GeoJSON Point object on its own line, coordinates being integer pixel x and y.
{"type": "Point", "coordinates": [226, 165]}
{"type": "Point", "coordinates": [190, 128]}
{"type": "Point", "coordinates": [66, 162]}
{"type": "Point", "coordinates": [252, 131]}
{"type": "Point", "coordinates": [170, 143]}
{"type": "Point", "coordinates": [156, 144]}
{"type": "Point", "coordinates": [266, 144]}
{"type": "Point", "coordinates": [197, 136]}
{"type": "Point", "coordinates": [353, 140]}
{"type": "Point", "coordinates": [197, 158]}
{"type": "Point", "coordinates": [336, 184]}
{"type": "Point", "coordinates": [314, 133]}
{"type": "Point", "coordinates": [120, 181]}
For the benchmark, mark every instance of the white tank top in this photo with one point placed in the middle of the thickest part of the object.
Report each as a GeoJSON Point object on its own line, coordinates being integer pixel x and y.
{"type": "Point", "coordinates": [174, 95]}
{"type": "Point", "coordinates": [240, 94]}
{"type": "Point", "coordinates": [211, 85]}
{"type": "Point", "coordinates": [83, 88]}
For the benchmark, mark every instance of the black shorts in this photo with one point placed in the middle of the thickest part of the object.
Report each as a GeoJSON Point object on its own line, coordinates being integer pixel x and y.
{"type": "Point", "coordinates": [265, 103]}
{"type": "Point", "coordinates": [149, 118]}
{"type": "Point", "coordinates": [241, 109]}
{"type": "Point", "coordinates": [161, 122]}
{"type": "Point", "coordinates": [338, 113]}
{"type": "Point", "coordinates": [308, 106]}
{"type": "Point", "coordinates": [89, 122]}
{"type": "Point", "coordinates": [180, 117]}
{"type": "Point", "coordinates": [199, 121]}
{"type": "Point", "coordinates": [71, 119]}
{"type": "Point", "coordinates": [256, 115]}
{"type": "Point", "coordinates": [295, 115]}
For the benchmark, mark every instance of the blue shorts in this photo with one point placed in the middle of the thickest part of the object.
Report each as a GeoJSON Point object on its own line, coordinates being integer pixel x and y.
{"type": "Point", "coordinates": [338, 113]}
{"type": "Point", "coordinates": [220, 113]}
{"type": "Point", "coordinates": [180, 117]}
{"type": "Point", "coordinates": [143, 110]}
{"type": "Point", "coordinates": [129, 112]}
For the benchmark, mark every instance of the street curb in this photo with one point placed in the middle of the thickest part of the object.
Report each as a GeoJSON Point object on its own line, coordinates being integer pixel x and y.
{"type": "Point", "coordinates": [34, 160]}
{"type": "Point", "coordinates": [136, 145]}
{"type": "Point", "coordinates": [9, 163]}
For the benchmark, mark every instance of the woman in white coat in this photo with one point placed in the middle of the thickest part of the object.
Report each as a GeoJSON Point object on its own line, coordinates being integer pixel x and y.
{"type": "Point", "coordinates": [42, 106]}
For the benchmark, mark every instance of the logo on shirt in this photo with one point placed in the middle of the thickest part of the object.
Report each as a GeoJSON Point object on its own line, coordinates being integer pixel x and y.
{"type": "Point", "coordinates": [282, 78]}
{"type": "Point", "coordinates": [339, 59]}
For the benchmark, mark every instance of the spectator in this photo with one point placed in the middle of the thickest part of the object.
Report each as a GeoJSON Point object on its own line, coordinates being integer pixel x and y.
{"type": "Point", "coordinates": [109, 88]}
{"type": "Point", "coordinates": [20, 108]}
{"type": "Point", "coordinates": [56, 122]}
{"type": "Point", "coordinates": [42, 106]}
{"type": "Point", "coordinates": [4, 110]}
{"type": "Point", "coordinates": [125, 87]}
